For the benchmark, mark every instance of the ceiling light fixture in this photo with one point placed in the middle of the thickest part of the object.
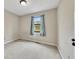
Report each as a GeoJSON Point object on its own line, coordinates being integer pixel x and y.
{"type": "Point", "coordinates": [25, 2]}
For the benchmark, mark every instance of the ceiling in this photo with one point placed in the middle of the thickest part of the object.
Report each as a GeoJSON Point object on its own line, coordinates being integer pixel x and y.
{"type": "Point", "coordinates": [35, 6]}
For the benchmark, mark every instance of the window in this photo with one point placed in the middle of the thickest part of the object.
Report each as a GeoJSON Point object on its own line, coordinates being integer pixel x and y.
{"type": "Point", "coordinates": [38, 25]}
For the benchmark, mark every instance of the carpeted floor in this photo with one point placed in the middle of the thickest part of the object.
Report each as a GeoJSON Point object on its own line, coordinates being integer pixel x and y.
{"type": "Point", "coordinates": [30, 50]}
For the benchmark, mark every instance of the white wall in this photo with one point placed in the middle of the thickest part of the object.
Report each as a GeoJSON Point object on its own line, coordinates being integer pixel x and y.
{"type": "Point", "coordinates": [50, 25]}
{"type": "Point", "coordinates": [66, 28]}
{"type": "Point", "coordinates": [11, 25]}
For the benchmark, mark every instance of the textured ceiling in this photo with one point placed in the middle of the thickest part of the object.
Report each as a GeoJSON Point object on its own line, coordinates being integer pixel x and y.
{"type": "Point", "coordinates": [35, 6]}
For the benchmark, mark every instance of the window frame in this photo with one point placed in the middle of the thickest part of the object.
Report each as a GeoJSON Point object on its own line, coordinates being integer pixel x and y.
{"type": "Point", "coordinates": [43, 25]}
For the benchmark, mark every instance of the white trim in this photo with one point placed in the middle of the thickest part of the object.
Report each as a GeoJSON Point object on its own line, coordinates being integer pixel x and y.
{"type": "Point", "coordinates": [6, 42]}
{"type": "Point", "coordinates": [38, 41]}
{"type": "Point", "coordinates": [60, 53]}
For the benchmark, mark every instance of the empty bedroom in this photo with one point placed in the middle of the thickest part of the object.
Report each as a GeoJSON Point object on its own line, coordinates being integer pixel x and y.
{"type": "Point", "coordinates": [39, 29]}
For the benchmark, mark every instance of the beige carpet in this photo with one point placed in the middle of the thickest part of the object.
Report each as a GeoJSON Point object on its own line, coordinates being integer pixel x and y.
{"type": "Point", "coordinates": [30, 50]}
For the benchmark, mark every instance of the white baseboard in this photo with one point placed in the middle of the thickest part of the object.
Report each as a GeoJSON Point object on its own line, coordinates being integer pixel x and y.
{"type": "Point", "coordinates": [60, 53]}
{"type": "Point", "coordinates": [41, 42]}
{"type": "Point", "coordinates": [6, 42]}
